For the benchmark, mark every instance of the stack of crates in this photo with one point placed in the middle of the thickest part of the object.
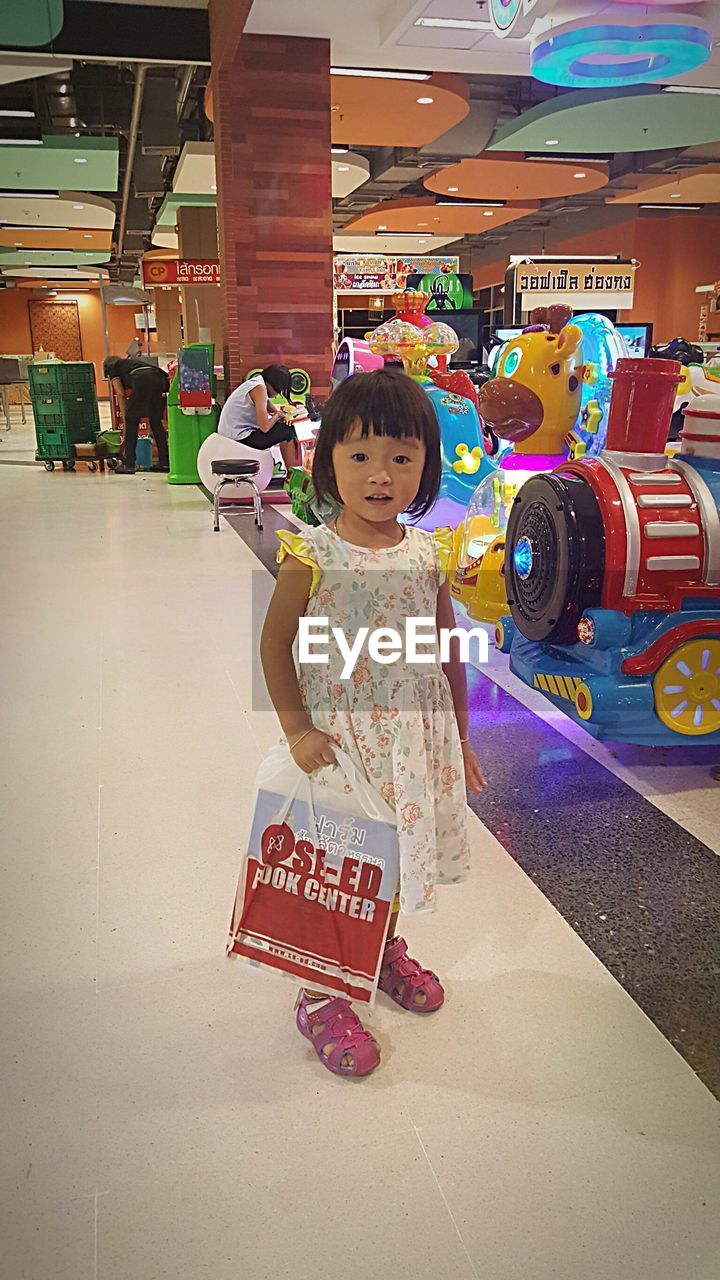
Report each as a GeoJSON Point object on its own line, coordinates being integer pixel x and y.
{"type": "Point", "coordinates": [65, 406]}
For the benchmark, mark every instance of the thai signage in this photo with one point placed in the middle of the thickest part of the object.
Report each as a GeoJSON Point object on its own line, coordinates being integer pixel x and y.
{"type": "Point", "coordinates": [581, 285]}
{"type": "Point", "coordinates": [191, 271]}
{"type": "Point", "coordinates": [380, 273]}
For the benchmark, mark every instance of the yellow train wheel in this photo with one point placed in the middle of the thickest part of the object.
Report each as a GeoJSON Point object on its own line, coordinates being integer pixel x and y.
{"type": "Point", "coordinates": [687, 688]}
{"type": "Point", "coordinates": [583, 701]}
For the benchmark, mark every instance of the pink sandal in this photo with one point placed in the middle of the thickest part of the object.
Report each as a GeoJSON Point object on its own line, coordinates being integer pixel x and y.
{"type": "Point", "coordinates": [409, 985]}
{"type": "Point", "coordinates": [342, 1032]}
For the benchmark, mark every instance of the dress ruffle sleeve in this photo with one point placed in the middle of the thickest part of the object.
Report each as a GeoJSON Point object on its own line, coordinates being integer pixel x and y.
{"type": "Point", "coordinates": [444, 548]}
{"type": "Point", "coordinates": [295, 544]}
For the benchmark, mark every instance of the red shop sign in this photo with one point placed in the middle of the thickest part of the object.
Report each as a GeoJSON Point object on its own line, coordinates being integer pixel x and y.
{"type": "Point", "coordinates": [194, 271]}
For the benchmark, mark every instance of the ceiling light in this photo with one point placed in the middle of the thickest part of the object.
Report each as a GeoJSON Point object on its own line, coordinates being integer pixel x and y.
{"type": "Point", "coordinates": [80, 159]}
{"type": "Point", "coordinates": [456, 24]}
{"type": "Point", "coordinates": [17, 115]}
{"type": "Point", "coordinates": [78, 206]}
{"type": "Point", "coordinates": [674, 207]}
{"type": "Point", "coordinates": [62, 88]}
{"type": "Point", "coordinates": [488, 213]}
{"type": "Point", "coordinates": [407, 235]}
{"type": "Point", "coordinates": [383, 227]}
{"type": "Point", "coordinates": [87, 235]}
{"type": "Point", "coordinates": [422, 241]}
{"type": "Point", "coordinates": [213, 186]}
{"type": "Point", "coordinates": [453, 188]}
{"type": "Point", "coordinates": [18, 244]}
{"type": "Point", "coordinates": [425, 102]}
{"type": "Point", "coordinates": [338, 151]}
{"type": "Point", "coordinates": [675, 195]}
{"type": "Point", "coordinates": [688, 88]}
{"type": "Point", "coordinates": [580, 175]}
{"type": "Point", "coordinates": [552, 142]}
{"type": "Point", "coordinates": [29, 195]}
{"type": "Point", "coordinates": [20, 142]}
{"type": "Point", "coordinates": [380, 75]}
{"type": "Point", "coordinates": [23, 226]}
{"type": "Point", "coordinates": [343, 168]}
{"type": "Point", "coordinates": [470, 204]}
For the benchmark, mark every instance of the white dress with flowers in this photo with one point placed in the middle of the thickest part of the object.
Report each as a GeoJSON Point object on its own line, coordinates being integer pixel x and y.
{"type": "Point", "coordinates": [397, 721]}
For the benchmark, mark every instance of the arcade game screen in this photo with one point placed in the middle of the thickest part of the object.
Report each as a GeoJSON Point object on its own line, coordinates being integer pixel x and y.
{"type": "Point", "coordinates": [638, 338]}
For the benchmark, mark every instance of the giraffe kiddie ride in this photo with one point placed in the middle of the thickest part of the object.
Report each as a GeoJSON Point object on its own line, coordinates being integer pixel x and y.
{"type": "Point", "coordinates": [549, 398]}
{"type": "Point", "coordinates": [423, 346]}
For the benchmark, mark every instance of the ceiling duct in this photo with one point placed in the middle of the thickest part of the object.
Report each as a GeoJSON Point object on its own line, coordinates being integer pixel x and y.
{"type": "Point", "coordinates": [159, 126]}
{"type": "Point", "coordinates": [148, 178]}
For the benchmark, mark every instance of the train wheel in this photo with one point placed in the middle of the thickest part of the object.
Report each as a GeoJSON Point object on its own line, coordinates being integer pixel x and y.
{"type": "Point", "coordinates": [687, 688]}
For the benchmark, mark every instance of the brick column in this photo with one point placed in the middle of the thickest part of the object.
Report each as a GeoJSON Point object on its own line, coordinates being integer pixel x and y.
{"type": "Point", "coordinates": [271, 109]}
{"type": "Point", "coordinates": [202, 304]}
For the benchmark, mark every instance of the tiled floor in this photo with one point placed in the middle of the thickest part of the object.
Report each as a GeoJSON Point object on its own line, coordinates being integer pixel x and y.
{"type": "Point", "coordinates": [160, 1115]}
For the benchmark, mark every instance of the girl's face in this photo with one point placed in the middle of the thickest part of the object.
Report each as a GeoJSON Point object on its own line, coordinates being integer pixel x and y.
{"type": "Point", "coordinates": [377, 477]}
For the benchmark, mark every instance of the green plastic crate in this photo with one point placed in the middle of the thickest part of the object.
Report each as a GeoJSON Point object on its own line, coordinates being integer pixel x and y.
{"type": "Point", "coordinates": [52, 443]}
{"type": "Point", "coordinates": [76, 414]}
{"type": "Point", "coordinates": [52, 379]}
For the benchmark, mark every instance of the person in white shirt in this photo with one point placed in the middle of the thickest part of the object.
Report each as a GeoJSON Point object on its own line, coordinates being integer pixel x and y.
{"type": "Point", "coordinates": [248, 416]}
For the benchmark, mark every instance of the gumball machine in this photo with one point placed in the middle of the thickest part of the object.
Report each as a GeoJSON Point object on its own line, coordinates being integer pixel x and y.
{"type": "Point", "coordinates": [192, 412]}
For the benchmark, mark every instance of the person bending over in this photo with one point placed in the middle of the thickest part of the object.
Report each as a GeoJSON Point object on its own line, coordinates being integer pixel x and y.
{"type": "Point", "coordinates": [148, 385]}
{"type": "Point", "coordinates": [247, 415]}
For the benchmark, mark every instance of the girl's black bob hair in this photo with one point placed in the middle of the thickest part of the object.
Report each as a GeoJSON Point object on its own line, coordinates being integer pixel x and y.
{"type": "Point", "coordinates": [385, 403]}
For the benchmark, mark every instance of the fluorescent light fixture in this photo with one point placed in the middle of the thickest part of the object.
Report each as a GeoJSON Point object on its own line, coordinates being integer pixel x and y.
{"type": "Point", "coordinates": [580, 175]}
{"type": "Point", "coordinates": [379, 75]}
{"type": "Point", "coordinates": [80, 159]}
{"type": "Point", "coordinates": [674, 207]}
{"type": "Point", "coordinates": [338, 151]}
{"type": "Point", "coordinates": [470, 204]}
{"type": "Point", "coordinates": [24, 226]}
{"type": "Point", "coordinates": [20, 142]}
{"type": "Point", "coordinates": [16, 115]}
{"type": "Point", "coordinates": [406, 235]}
{"type": "Point", "coordinates": [675, 195]}
{"type": "Point", "coordinates": [562, 257]}
{"type": "Point", "coordinates": [29, 195]}
{"type": "Point", "coordinates": [455, 24]}
{"type": "Point", "coordinates": [424, 102]}
{"type": "Point", "coordinates": [688, 88]}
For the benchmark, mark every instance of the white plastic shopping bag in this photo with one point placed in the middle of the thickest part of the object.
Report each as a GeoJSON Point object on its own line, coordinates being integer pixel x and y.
{"type": "Point", "coordinates": [318, 877]}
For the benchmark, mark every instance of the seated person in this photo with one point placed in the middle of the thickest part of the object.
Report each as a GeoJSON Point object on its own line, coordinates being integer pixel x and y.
{"type": "Point", "coordinates": [247, 415]}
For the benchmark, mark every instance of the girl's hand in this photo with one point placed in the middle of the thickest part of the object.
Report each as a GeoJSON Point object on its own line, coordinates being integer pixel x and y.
{"type": "Point", "coordinates": [315, 751]}
{"type": "Point", "coordinates": [473, 773]}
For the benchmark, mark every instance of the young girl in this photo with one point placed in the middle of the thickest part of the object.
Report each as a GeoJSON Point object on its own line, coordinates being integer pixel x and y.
{"type": "Point", "coordinates": [405, 725]}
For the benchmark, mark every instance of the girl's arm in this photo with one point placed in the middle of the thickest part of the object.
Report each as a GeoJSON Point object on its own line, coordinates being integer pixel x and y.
{"type": "Point", "coordinates": [310, 747]}
{"type": "Point", "coordinates": [265, 419]}
{"type": "Point", "coordinates": [455, 672]}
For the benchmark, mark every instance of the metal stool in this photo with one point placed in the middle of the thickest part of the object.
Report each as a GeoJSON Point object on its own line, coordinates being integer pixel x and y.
{"type": "Point", "coordinates": [232, 471]}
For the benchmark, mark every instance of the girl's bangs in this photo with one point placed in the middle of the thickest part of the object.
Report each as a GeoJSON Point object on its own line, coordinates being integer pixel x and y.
{"type": "Point", "coordinates": [389, 410]}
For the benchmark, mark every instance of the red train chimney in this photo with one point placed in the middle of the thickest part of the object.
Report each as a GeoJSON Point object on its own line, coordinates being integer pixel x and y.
{"type": "Point", "coordinates": [642, 404]}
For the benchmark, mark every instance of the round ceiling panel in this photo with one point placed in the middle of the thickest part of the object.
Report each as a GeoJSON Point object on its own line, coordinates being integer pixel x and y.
{"type": "Point", "coordinates": [421, 217]}
{"type": "Point", "coordinates": [619, 53]}
{"type": "Point", "coordinates": [592, 122]}
{"type": "Point", "coordinates": [396, 113]}
{"type": "Point", "coordinates": [512, 177]}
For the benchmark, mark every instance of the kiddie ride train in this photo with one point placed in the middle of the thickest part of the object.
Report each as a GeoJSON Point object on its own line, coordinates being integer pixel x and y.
{"type": "Point", "coordinates": [422, 346]}
{"type": "Point", "coordinates": [549, 397]}
{"type": "Point", "coordinates": [613, 572]}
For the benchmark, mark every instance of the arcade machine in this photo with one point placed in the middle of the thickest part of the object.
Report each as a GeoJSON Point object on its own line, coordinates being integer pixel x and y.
{"type": "Point", "coordinates": [192, 413]}
{"type": "Point", "coordinates": [613, 570]}
{"type": "Point", "coordinates": [549, 398]}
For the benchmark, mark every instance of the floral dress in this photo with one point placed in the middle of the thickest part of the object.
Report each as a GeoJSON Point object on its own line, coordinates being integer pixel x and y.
{"type": "Point", "coordinates": [396, 721]}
